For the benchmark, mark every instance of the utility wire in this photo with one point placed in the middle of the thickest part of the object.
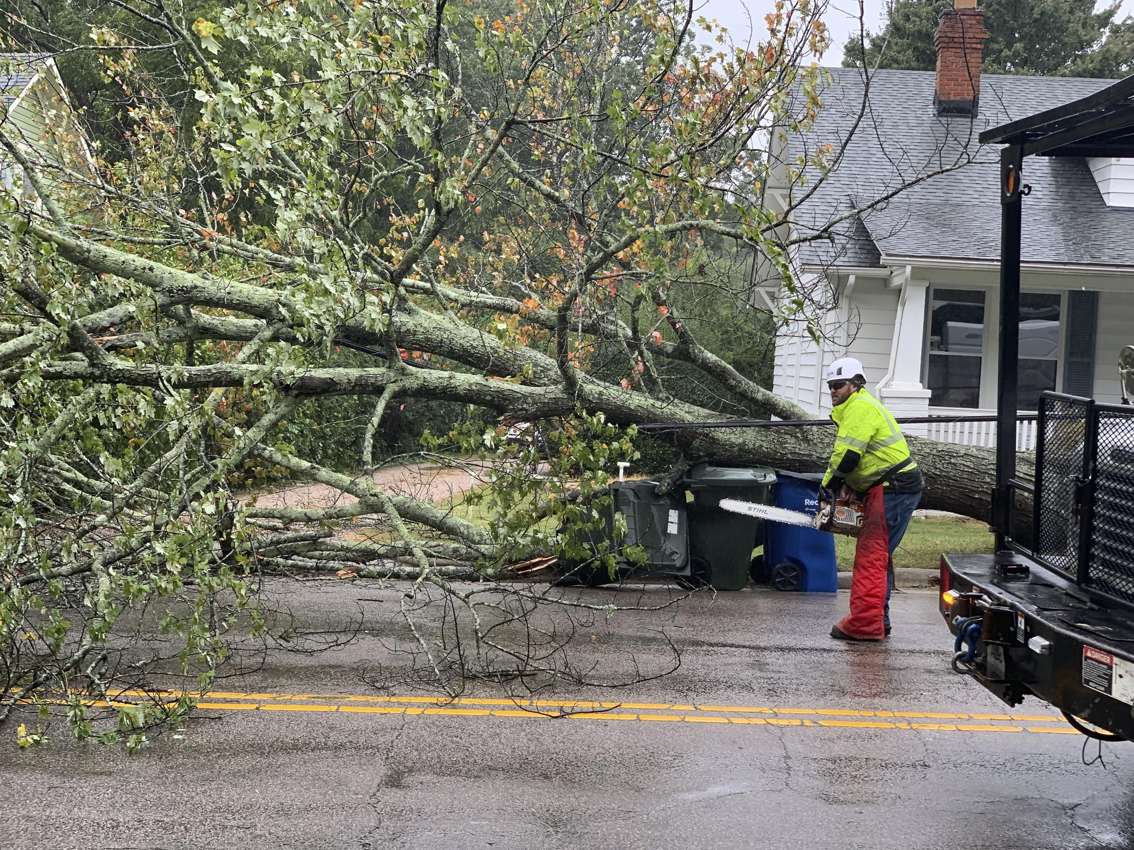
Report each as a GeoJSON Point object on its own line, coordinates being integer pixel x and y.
{"type": "Point", "coordinates": [802, 423]}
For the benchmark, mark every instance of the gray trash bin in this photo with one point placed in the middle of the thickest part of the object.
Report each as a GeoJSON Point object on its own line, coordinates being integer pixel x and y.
{"type": "Point", "coordinates": [656, 523]}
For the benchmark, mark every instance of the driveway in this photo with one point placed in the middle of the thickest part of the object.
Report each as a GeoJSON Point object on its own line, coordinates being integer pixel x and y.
{"type": "Point", "coordinates": [429, 481]}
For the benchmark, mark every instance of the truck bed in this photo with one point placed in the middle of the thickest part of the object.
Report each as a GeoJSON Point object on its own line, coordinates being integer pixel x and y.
{"type": "Point", "coordinates": [1045, 636]}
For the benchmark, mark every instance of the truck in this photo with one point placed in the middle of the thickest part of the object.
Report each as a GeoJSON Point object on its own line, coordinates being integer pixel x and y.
{"type": "Point", "coordinates": [1054, 618]}
{"type": "Point", "coordinates": [1051, 613]}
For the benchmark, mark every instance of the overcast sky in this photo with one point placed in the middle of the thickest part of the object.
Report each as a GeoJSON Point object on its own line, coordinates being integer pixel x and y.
{"type": "Point", "coordinates": [740, 16]}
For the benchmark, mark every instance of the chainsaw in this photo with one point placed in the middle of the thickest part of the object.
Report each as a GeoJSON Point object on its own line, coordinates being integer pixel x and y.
{"type": "Point", "coordinates": [843, 516]}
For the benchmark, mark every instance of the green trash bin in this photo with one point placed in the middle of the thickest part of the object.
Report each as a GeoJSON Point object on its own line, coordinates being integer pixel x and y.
{"type": "Point", "coordinates": [721, 542]}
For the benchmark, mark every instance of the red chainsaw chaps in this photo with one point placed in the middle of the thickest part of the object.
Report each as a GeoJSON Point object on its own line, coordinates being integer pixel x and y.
{"type": "Point", "coordinates": [871, 568]}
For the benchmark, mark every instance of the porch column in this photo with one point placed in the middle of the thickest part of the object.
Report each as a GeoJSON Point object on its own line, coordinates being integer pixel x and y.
{"type": "Point", "coordinates": [901, 389]}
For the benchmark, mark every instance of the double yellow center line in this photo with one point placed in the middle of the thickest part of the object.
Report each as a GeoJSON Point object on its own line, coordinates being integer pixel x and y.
{"type": "Point", "coordinates": [613, 711]}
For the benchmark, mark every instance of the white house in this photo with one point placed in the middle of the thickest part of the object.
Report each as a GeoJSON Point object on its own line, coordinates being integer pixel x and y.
{"type": "Point", "coordinates": [36, 115]}
{"type": "Point", "coordinates": [914, 281]}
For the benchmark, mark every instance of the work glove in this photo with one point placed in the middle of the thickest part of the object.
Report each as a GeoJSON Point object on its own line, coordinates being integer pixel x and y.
{"type": "Point", "coordinates": [826, 511]}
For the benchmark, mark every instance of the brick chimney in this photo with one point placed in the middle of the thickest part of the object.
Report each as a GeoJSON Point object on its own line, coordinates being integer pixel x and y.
{"type": "Point", "coordinates": [960, 47]}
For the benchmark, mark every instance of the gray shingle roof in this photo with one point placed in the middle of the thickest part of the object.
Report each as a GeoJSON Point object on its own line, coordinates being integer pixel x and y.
{"type": "Point", "coordinates": [953, 215]}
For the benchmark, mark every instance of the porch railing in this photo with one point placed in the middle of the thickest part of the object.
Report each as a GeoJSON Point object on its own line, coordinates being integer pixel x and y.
{"type": "Point", "coordinates": [966, 427]}
{"type": "Point", "coordinates": [977, 433]}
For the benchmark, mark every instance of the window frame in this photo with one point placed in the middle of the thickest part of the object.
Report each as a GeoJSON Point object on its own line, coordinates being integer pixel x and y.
{"type": "Point", "coordinates": [988, 303]}
{"type": "Point", "coordinates": [990, 341]}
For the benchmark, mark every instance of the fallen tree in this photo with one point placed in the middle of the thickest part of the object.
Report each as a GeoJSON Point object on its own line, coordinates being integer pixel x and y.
{"type": "Point", "coordinates": [517, 210]}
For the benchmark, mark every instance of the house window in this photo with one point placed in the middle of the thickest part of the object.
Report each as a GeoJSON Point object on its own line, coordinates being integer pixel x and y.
{"type": "Point", "coordinates": [1039, 346]}
{"type": "Point", "coordinates": [956, 346]}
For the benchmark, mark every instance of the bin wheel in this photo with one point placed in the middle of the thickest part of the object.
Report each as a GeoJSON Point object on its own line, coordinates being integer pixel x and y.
{"type": "Point", "coordinates": [597, 577]}
{"type": "Point", "coordinates": [583, 577]}
{"type": "Point", "coordinates": [568, 578]}
{"type": "Point", "coordinates": [698, 575]}
{"type": "Point", "coordinates": [787, 576]}
{"type": "Point", "coordinates": [758, 570]}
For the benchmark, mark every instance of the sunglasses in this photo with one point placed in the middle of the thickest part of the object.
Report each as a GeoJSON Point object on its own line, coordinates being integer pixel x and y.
{"type": "Point", "coordinates": [836, 385]}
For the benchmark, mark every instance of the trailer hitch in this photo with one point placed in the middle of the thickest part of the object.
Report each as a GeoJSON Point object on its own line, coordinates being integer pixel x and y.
{"type": "Point", "coordinates": [968, 631]}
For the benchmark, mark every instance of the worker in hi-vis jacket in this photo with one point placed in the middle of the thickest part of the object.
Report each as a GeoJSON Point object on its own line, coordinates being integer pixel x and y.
{"type": "Point", "coordinates": [871, 458]}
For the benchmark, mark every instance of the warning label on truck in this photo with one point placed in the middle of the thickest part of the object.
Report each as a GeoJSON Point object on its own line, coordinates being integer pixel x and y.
{"type": "Point", "coordinates": [1108, 674]}
{"type": "Point", "coordinates": [1098, 670]}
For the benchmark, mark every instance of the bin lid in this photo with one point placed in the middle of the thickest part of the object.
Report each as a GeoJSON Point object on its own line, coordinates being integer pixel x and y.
{"type": "Point", "coordinates": [731, 476]}
{"type": "Point", "coordinates": [805, 476]}
{"type": "Point", "coordinates": [642, 485]}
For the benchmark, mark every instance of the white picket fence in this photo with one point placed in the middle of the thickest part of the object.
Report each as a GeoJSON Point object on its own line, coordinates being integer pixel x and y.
{"type": "Point", "coordinates": [977, 433]}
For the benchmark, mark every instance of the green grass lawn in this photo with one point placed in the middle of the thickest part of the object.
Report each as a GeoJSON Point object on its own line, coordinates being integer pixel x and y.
{"type": "Point", "coordinates": [926, 539]}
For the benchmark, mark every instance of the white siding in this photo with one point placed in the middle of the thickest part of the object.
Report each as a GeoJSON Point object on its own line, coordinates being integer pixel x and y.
{"type": "Point", "coordinates": [42, 123]}
{"type": "Point", "coordinates": [1115, 329]}
{"type": "Point", "coordinates": [1115, 179]}
{"type": "Point", "coordinates": [875, 309]}
{"type": "Point", "coordinates": [782, 372]}
{"type": "Point", "coordinates": [794, 373]}
{"type": "Point", "coordinates": [25, 126]}
{"type": "Point", "coordinates": [862, 326]}
{"type": "Point", "coordinates": [796, 370]}
{"type": "Point", "coordinates": [25, 123]}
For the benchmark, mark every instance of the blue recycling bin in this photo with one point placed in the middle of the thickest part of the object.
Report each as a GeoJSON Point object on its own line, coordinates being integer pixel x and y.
{"type": "Point", "coordinates": [795, 557]}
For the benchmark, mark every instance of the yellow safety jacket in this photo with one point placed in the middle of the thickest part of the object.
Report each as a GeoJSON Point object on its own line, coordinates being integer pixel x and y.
{"type": "Point", "coordinates": [865, 426]}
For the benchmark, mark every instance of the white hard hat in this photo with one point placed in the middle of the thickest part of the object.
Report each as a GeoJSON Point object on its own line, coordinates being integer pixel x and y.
{"type": "Point", "coordinates": [844, 369]}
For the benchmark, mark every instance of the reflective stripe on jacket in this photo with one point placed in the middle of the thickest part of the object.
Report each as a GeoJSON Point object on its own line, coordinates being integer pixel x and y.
{"type": "Point", "coordinates": [865, 426]}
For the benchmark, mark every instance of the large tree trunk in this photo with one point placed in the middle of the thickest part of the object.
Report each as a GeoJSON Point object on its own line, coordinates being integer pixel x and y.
{"type": "Point", "coordinates": [959, 478]}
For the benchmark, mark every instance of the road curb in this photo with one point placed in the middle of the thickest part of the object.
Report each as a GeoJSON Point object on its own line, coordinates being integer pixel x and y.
{"type": "Point", "coordinates": [903, 577]}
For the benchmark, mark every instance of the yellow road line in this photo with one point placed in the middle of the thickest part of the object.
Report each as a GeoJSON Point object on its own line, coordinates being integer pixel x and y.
{"type": "Point", "coordinates": [619, 716]}
{"type": "Point", "coordinates": [851, 720]}
{"type": "Point", "coordinates": [613, 711]}
{"type": "Point", "coordinates": [534, 706]}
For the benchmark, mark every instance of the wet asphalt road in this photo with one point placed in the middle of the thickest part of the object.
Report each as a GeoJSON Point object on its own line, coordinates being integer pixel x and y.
{"type": "Point", "coordinates": [769, 734]}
